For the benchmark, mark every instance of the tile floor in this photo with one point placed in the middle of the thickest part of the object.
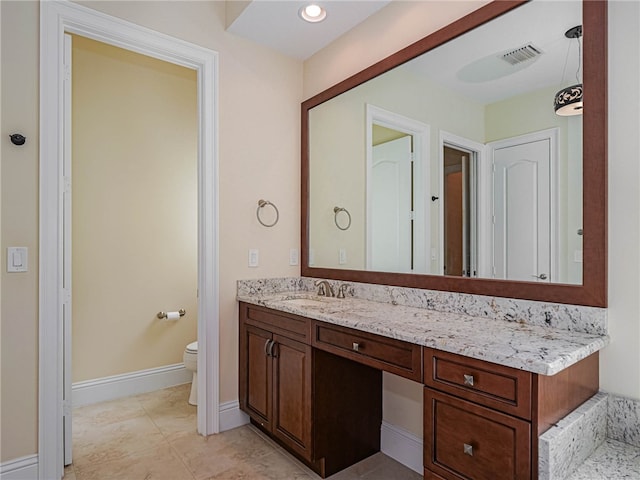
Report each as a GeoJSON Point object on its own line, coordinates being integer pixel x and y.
{"type": "Point", "coordinates": [153, 437]}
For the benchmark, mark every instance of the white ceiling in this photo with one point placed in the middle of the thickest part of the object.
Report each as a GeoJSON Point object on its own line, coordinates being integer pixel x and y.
{"type": "Point", "coordinates": [472, 66]}
{"type": "Point", "coordinates": [276, 24]}
{"type": "Point", "coordinates": [468, 65]}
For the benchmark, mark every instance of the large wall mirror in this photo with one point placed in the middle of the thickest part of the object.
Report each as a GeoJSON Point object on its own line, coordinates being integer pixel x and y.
{"type": "Point", "coordinates": [446, 167]}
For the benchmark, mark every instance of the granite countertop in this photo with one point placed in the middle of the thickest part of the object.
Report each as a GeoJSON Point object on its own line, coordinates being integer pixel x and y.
{"type": "Point", "coordinates": [535, 349]}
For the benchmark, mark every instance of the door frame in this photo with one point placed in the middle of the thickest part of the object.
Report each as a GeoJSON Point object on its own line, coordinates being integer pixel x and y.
{"type": "Point", "coordinates": [482, 201]}
{"type": "Point", "coordinates": [551, 134]}
{"type": "Point", "coordinates": [421, 144]}
{"type": "Point", "coordinates": [56, 19]}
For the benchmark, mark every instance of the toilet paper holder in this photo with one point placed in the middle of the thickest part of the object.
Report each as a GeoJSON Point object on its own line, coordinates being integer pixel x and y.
{"type": "Point", "coordinates": [162, 315]}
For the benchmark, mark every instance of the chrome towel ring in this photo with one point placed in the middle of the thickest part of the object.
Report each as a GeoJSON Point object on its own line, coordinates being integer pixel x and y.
{"type": "Point", "coordinates": [261, 205]}
{"type": "Point", "coordinates": [336, 211]}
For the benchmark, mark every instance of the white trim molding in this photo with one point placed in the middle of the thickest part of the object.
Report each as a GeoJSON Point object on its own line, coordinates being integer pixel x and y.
{"type": "Point", "coordinates": [119, 386]}
{"type": "Point", "coordinates": [56, 19]}
{"type": "Point", "coordinates": [403, 446]}
{"type": "Point", "coordinates": [23, 468]}
{"type": "Point", "coordinates": [483, 200]}
{"type": "Point", "coordinates": [231, 416]}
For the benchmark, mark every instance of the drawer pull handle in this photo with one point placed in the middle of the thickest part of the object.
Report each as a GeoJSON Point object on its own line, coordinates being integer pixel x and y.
{"type": "Point", "coordinates": [468, 380]}
{"type": "Point", "coordinates": [468, 449]}
{"type": "Point", "coordinates": [266, 347]}
{"type": "Point", "coordinates": [356, 347]}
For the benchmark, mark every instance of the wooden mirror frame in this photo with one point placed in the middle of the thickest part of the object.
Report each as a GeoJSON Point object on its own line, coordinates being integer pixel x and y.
{"type": "Point", "coordinates": [593, 291]}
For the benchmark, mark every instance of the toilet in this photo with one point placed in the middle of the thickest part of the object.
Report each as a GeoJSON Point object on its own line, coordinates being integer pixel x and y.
{"type": "Point", "coordinates": [190, 359]}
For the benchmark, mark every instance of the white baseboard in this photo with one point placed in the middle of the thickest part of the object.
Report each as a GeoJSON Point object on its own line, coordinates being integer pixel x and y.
{"type": "Point", "coordinates": [231, 416]}
{"type": "Point", "coordinates": [134, 383]}
{"type": "Point", "coordinates": [23, 468]}
{"type": "Point", "coordinates": [403, 446]}
{"type": "Point", "coordinates": [395, 442]}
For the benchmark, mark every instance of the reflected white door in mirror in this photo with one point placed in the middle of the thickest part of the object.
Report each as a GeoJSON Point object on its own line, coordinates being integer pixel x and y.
{"type": "Point", "coordinates": [396, 191]}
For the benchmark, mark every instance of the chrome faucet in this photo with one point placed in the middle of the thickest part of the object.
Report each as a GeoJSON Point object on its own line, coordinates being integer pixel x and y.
{"type": "Point", "coordinates": [342, 290]}
{"type": "Point", "coordinates": [324, 288]}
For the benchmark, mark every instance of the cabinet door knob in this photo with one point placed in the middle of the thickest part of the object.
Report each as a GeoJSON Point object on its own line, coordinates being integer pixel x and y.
{"type": "Point", "coordinates": [468, 449]}
{"type": "Point", "coordinates": [468, 380]}
{"type": "Point", "coordinates": [356, 346]}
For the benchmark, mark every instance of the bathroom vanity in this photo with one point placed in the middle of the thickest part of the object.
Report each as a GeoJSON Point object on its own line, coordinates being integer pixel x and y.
{"type": "Point", "coordinates": [311, 377]}
{"type": "Point", "coordinates": [502, 356]}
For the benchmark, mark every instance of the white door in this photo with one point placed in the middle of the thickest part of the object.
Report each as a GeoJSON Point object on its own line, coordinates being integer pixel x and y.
{"type": "Point", "coordinates": [522, 203]}
{"type": "Point", "coordinates": [391, 206]}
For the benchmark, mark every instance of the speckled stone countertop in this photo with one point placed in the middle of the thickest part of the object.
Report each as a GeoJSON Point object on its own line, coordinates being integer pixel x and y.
{"type": "Point", "coordinates": [533, 348]}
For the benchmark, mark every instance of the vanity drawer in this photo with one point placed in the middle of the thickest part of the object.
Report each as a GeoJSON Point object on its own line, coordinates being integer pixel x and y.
{"type": "Point", "coordinates": [464, 440]}
{"type": "Point", "coordinates": [496, 386]}
{"type": "Point", "coordinates": [289, 325]}
{"type": "Point", "coordinates": [388, 354]}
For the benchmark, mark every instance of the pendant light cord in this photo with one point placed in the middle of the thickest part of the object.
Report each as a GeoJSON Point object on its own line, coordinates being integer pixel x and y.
{"type": "Point", "coordinates": [579, 59]}
{"type": "Point", "coordinates": [564, 69]}
{"type": "Point", "coordinates": [566, 62]}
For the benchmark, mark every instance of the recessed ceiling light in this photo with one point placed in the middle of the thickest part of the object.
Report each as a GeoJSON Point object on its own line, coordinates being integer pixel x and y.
{"type": "Point", "coordinates": [313, 13]}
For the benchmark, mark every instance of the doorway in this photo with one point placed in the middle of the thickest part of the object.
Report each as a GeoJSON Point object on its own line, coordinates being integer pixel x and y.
{"type": "Point", "coordinates": [130, 222]}
{"type": "Point", "coordinates": [459, 204]}
{"type": "Point", "coordinates": [56, 20]}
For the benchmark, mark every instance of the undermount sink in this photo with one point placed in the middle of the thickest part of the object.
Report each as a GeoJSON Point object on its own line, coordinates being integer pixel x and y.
{"type": "Point", "coordinates": [311, 301]}
{"type": "Point", "coordinates": [306, 301]}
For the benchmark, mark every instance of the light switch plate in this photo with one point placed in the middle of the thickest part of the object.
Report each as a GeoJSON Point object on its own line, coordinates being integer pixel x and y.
{"type": "Point", "coordinates": [293, 256]}
{"type": "Point", "coordinates": [253, 257]}
{"type": "Point", "coordinates": [342, 256]}
{"type": "Point", "coordinates": [17, 259]}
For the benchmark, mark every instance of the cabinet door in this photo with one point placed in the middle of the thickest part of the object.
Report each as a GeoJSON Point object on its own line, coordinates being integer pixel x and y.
{"type": "Point", "coordinates": [257, 396]}
{"type": "Point", "coordinates": [292, 394]}
{"type": "Point", "coordinates": [466, 441]}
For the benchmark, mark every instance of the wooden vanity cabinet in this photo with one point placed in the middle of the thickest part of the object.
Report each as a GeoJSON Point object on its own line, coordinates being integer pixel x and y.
{"type": "Point", "coordinates": [323, 408]}
{"type": "Point", "coordinates": [275, 376]}
{"type": "Point", "coordinates": [316, 388]}
{"type": "Point", "coordinates": [483, 420]}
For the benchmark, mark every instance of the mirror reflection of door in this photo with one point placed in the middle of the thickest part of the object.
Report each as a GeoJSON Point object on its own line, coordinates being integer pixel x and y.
{"type": "Point", "coordinates": [459, 207]}
{"type": "Point", "coordinates": [392, 201]}
{"type": "Point", "coordinates": [522, 205]}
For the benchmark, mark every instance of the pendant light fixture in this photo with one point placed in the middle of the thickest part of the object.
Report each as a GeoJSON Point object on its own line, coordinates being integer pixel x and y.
{"type": "Point", "coordinates": [568, 101]}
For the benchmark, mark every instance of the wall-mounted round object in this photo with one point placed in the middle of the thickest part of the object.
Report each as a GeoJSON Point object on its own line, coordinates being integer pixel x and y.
{"type": "Point", "coordinates": [17, 139]}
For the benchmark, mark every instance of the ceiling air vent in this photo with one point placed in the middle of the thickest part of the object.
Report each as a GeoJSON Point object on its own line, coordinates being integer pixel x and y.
{"type": "Point", "coordinates": [522, 54]}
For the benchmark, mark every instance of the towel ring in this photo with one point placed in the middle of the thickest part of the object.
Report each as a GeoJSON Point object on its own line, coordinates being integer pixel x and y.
{"type": "Point", "coordinates": [336, 211]}
{"type": "Point", "coordinates": [264, 203]}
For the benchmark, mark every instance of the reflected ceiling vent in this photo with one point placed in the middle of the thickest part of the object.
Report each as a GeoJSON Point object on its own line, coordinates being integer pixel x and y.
{"type": "Point", "coordinates": [522, 54]}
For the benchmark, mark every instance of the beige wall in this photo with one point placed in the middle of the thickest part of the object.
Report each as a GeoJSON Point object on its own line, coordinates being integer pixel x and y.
{"type": "Point", "coordinates": [259, 154]}
{"type": "Point", "coordinates": [134, 184]}
{"type": "Point", "coordinates": [19, 171]}
{"type": "Point", "coordinates": [403, 23]}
